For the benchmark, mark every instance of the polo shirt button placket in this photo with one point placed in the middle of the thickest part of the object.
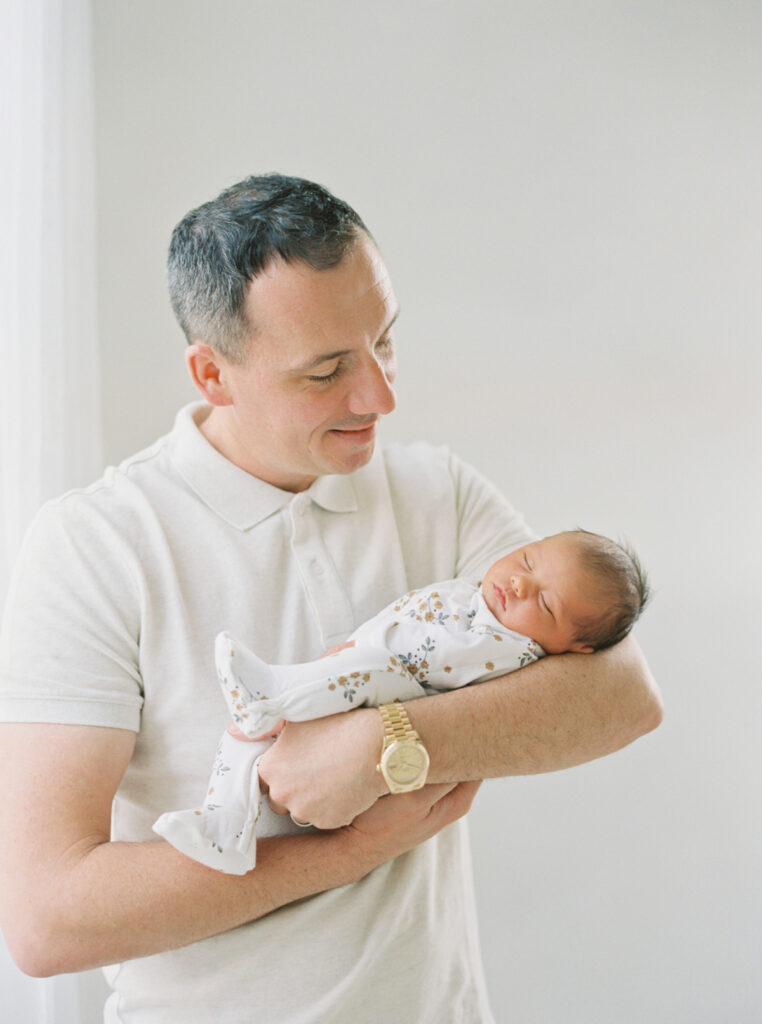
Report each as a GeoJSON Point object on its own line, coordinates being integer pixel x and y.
{"type": "Point", "coordinates": [324, 586]}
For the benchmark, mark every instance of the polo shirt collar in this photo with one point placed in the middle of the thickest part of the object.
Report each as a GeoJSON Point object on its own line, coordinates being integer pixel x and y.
{"type": "Point", "coordinates": [236, 496]}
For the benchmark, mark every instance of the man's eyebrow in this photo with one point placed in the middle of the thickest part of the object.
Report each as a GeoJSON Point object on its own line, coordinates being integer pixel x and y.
{"type": "Point", "coordinates": [325, 357]}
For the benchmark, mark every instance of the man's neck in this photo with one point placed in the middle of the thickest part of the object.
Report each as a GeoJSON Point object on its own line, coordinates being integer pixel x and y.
{"type": "Point", "coordinates": [219, 431]}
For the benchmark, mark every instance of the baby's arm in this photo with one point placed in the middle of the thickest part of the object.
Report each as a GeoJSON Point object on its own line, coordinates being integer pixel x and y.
{"type": "Point", "coordinates": [445, 638]}
{"type": "Point", "coordinates": [475, 659]}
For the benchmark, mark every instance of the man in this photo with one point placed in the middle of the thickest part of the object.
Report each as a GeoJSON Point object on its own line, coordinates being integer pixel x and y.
{"type": "Point", "coordinates": [268, 512]}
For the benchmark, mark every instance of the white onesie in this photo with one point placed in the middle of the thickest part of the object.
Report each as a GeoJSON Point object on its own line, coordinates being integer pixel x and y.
{"type": "Point", "coordinates": [438, 638]}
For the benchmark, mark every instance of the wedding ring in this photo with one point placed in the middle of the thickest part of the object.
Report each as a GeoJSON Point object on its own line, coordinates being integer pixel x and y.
{"type": "Point", "coordinates": [301, 824]}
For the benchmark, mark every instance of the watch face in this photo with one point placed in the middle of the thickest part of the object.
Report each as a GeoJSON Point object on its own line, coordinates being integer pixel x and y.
{"type": "Point", "coordinates": [406, 762]}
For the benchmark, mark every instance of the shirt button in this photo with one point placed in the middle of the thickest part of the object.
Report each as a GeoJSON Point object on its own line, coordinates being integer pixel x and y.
{"type": "Point", "coordinates": [317, 568]}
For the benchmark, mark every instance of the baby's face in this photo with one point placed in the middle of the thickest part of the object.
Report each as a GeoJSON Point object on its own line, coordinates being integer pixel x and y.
{"type": "Point", "coordinates": [539, 590]}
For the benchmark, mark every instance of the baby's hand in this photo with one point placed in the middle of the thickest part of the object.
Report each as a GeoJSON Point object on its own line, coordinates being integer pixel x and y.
{"type": "Point", "coordinates": [339, 647]}
{"type": "Point", "coordinates": [236, 733]}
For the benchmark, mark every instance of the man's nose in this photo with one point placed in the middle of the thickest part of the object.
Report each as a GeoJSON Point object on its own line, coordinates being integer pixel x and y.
{"type": "Point", "coordinates": [372, 392]}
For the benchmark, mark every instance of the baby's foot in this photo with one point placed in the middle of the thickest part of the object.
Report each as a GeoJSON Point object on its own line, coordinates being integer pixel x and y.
{"type": "Point", "coordinates": [276, 730]}
{"type": "Point", "coordinates": [222, 841]}
{"type": "Point", "coordinates": [248, 685]}
{"type": "Point", "coordinates": [221, 833]}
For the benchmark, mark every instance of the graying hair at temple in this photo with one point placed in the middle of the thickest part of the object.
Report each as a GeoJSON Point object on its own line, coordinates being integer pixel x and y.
{"type": "Point", "coordinates": [219, 247]}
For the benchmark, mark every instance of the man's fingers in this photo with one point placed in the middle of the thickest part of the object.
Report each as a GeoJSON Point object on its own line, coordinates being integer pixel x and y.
{"type": "Point", "coordinates": [433, 792]}
{"type": "Point", "coordinates": [457, 801]}
{"type": "Point", "coordinates": [448, 799]}
{"type": "Point", "coordinates": [264, 788]}
{"type": "Point", "coordinates": [395, 824]}
{"type": "Point", "coordinates": [337, 648]}
{"type": "Point", "coordinates": [236, 733]}
{"type": "Point", "coordinates": [445, 801]}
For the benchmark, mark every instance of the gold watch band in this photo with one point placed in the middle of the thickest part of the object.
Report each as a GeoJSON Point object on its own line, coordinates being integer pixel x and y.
{"type": "Point", "coordinates": [404, 760]}
{"type": "Point", "coordinates": [396, 724]}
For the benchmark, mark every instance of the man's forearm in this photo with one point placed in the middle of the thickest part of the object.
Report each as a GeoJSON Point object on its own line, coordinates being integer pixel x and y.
{"type": "Point", "coordinates": [99, 902]}
{"type": "Point", "coordinates": [70, 899]}
{"type": "Point", "coordinates": [117, 901]}
{"type": "Point", "coordinates": [559, 712]}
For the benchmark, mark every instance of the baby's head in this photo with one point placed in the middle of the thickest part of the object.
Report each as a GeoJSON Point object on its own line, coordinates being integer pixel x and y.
{"type": "Point", "coordinates": [574, 591]}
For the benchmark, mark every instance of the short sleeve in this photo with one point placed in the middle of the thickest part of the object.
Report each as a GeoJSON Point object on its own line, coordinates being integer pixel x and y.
{"type": "Point", "coordinates": [70, 635]}
{"type": "Point", "coordinates": [488, 525]}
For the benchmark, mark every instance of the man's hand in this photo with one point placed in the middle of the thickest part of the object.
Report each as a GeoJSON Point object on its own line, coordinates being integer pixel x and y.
{"type": "Point", "coordinates": [337, 648]}
{"type": "Point", "coordinates": [324, 771]}
{"type": "Point", "coordinates": [270, 734]}
{"type": "Point", "coordinates": [396, 824]}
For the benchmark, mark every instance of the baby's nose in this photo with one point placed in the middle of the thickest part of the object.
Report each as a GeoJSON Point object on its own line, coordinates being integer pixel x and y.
{"type": "Point", "coordinates": [518, 585]}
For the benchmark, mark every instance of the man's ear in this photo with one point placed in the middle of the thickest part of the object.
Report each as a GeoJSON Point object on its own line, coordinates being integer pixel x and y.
{"type": "Point", "coordinates": [207, 371]}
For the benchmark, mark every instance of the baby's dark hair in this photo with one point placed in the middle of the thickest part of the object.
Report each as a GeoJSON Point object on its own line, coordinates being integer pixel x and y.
{"type": "Point", "coordinates": [619, 580]}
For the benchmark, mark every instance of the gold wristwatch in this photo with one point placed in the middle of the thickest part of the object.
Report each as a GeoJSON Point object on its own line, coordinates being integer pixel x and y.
{"type": "Point", "coordinates": [404, 759]}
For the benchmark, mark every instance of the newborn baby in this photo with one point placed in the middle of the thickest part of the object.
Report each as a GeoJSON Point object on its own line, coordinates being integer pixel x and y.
{"type": "Point", "coordinates": [572, 592]}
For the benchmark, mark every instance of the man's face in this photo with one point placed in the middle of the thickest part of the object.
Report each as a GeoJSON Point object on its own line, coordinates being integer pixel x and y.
{"type": "Point", "coordinates": [539, 590]}
{"type": "Point", "coordinates": [319, 372]}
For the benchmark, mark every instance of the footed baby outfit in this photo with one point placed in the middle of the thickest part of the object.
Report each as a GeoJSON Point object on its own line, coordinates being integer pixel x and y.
{"type": "Point", "coordinates": [438, 638]}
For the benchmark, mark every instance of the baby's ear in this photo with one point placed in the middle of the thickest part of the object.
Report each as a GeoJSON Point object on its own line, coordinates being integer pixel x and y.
{"type": "Point", "coordinates": [580, 648]}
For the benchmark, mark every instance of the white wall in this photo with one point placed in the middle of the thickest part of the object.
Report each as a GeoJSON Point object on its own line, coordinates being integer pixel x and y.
{"type": "Point", "coordinates": [567, 196]}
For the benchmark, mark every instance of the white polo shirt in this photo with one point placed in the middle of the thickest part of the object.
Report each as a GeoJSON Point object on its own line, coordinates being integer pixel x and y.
{"type": "Point", "coordinates": [118, 595]}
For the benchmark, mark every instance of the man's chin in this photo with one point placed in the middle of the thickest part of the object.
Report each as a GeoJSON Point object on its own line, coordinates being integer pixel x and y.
{"type": "Point", "coordinates": [347, 458]}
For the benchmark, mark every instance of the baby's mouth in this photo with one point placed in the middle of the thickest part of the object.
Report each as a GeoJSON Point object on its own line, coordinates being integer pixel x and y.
{"type": "Point", "coordinates": [500, 595]}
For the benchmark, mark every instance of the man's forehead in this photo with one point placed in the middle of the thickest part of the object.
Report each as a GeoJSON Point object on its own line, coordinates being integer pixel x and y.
{"type": "Point", "coordinates": [322, 351]}
{"type": "Point", "coordinates": [297, 298]}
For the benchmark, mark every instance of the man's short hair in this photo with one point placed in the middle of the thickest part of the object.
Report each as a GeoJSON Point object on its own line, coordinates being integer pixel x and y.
{"type": "Point", "coordinates": [618, 580]}
{"type": "Point", "coordinates": [218, 248]}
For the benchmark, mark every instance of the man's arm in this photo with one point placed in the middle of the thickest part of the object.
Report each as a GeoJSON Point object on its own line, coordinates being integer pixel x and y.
{"type": "Point", "coordinates": [70, 899]}
{"type": "Point", "coordinates": [555, 713]}
{"type": "Point", "coordinates": [558, 712]}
